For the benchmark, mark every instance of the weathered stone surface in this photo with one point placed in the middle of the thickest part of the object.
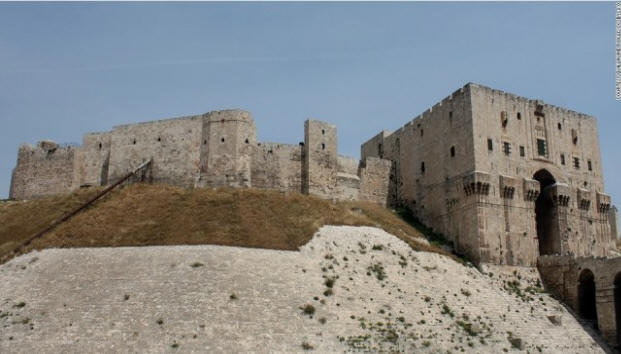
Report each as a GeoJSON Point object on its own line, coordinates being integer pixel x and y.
{"type": "Point", "coordinates": [210, 150]}
{"type": "Point", "coordinates": [441, 158]}
{"type": "Point", "coordinates": [227, 299]}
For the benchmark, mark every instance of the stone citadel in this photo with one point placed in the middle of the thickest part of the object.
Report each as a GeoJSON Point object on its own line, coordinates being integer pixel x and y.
{"type": "Point", "coordinates": [507, 179]}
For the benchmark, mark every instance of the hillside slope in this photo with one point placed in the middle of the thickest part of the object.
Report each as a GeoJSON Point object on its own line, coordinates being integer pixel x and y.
{"type": "Point", "coordinates": [146, 215]}
{"type": "Point", "coordinates": [349, 288]}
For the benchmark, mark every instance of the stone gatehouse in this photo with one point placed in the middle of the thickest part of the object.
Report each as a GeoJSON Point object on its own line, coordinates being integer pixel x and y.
{"type": "Point", "coordinates": [505, 178]}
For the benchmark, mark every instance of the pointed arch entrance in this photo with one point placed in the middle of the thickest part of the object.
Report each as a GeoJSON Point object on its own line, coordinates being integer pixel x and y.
{"type": "Point", "coordinates": [617, 299]}
{"type": "Point", "coordinates": [544, 214]}
{"type": "Point", "coordinates": [587, 304]}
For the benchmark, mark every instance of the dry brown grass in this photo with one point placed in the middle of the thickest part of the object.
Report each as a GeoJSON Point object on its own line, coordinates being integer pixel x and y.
{"type": "Point", "coordinates": [142, 215]}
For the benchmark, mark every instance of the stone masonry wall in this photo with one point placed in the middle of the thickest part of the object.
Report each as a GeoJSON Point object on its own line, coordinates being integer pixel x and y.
{"type": "Point", "coordinates": [92, 160]}
{"type": "Point", "coordinates": [173, 144]}
{"type": "Point", "coordinates": [277, 166]}
{"type": "Point", "coordinates": [320, 159]}
{"type": "Point", "coordinates": [514, 125]}
{"type": "Point", "coordinates": [42, 170]}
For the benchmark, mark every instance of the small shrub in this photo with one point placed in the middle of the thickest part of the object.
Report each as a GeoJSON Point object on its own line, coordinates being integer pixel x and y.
{"type": "Point", "coordinates": [308, 309]}
{"type": "Point", "coordinates": [323, 320]}
{"type": "Point", "coordinates": [465, 292]}
{"type": "Point", "coordinates": [329, 282]}
{"type": "Point", "coordinates": [328, 292]}
{"type": "Point", "coordinates": [126, 297]}
{"type": "Point", "coordinates": [160, 321]}
{"type": "Point", "coordinates": [307, 346]}
{"type": "Point", "coordinates": [377, 247]}
{"type": "Point", "coordinates": [174, 345]}
{"type": "Point", "coordinates": [20, 305]}
{"type": "Point", "coordinates": [196, 264]}
{"type": "Point", "coordinates": [233, 296]}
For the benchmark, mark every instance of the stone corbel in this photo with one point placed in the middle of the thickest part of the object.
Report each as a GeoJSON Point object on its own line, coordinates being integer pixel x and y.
{"type": "Point", "coordinates": [584, 199]}
{"type": "Point", "coordinates": [476, 183]}
{"type": "Point", "coordinates": [603, 202]}
{"type": "Point", "coordinates": [559, 193]}
{"type": "Point", "coordinates": [532, 189]}
{"type": "Point", "coordinates": [507, 186]}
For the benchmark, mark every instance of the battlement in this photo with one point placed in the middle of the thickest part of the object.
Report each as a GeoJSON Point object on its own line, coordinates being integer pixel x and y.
{"type": "Point", "coordinates": [214, 149]}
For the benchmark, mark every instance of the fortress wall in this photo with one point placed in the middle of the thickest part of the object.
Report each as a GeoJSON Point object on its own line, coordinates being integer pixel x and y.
{"type": "Point", "coordinates": [348, 165]}
{"type": "Point", "coordinates": [173, 144]}
{"type": "Point", "coordinates": [230, 138]}
{"type": "Point", "coordinates": [277, 166]}
{"type": "Point", "coordinates": [42, 170]}
{"type": "Point", "coordinates": [375, 180]}
{"type": "Point", "coordinates": [584, 231]}
{"type": "Point", "coordinates": [92, 160]}
{"type": "Point", "coordinates": [431, 156]}
{"type": "Point", "coordinates": [320, 159]}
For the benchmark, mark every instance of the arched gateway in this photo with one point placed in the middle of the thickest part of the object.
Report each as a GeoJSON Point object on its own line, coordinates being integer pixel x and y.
{"type": "Point", "coordinates": [544, 213]}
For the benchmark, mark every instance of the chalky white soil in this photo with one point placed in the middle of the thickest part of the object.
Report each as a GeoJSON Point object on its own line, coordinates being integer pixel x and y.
{"type": "Point", "coordinates": [227, 299]}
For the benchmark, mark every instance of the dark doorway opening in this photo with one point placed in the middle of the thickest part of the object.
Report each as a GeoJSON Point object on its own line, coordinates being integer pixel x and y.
{"type": "Point", "coordinates": [617, 297]}
{"type": "Point", "coordinates": [587, 304]}
{"type": "Point", "coordinates": [544, 209]}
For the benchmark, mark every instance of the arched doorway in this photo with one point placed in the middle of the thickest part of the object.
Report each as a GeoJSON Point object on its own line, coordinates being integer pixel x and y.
{"type": "Point", "coordinates": [544, 213]}
{"type": "Point", "coordinates": [617, 299]}
{"type": "Point", "coordinates": [587, 305]}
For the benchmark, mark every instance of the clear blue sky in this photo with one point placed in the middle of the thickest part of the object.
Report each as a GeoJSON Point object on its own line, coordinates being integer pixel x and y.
{"type": "Point", "coordinates": [66, 69]}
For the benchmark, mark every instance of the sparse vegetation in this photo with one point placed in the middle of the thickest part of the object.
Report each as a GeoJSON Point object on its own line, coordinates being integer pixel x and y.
{"type": "Point", "coordinates": [307, 346]}
{"type": "Point", "coordinates": [173, 216]}
{"type": "Point", "coordinates": [196, 264]}
{"type": "Point", "coordinates": [308, 309]}
{"type": "Point", "coordinates": [378, 270]}
{"type": "Point", "coordinates": [233, 296]}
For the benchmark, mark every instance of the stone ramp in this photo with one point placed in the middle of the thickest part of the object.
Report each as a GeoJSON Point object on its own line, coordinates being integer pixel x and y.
{"type": "Point", "coordinates": [227, 299]}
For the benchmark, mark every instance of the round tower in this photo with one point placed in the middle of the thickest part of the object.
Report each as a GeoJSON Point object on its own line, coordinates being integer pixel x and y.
{"type": "Point", "coordinates": [226, 151]}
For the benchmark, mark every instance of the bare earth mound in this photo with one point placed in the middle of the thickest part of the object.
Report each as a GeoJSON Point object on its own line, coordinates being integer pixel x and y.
{"type": "Point", "coordinates": [349, 288]}
{"type": "Point", "coordinates": [147, 215]}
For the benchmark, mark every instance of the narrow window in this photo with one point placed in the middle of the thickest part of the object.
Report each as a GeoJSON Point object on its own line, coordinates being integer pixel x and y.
{"type": "Point", "coordinates": [247, 141]}
{"type": "Point", "coordinates": [452, 151]}
{"type": "Point", "coordinates": [522, 152]}
{"type": "Point", "coordinates": [574, 136]}
{"type": "Point", "coordinates": [562, 159]}
{"type": "Point", "coordinates": [205, 142]}
{"type": "Point", "coordinates": [323, 146]}
{"type": "Point", "coordinates": [222, 139]}
{"type": "Point", "coordinates": [519, 116]}
{"type": "Point", "coordinates": [451, 114]}
{"type": "Point", "coordinates": [490, 145]}
{"type": "Point", "coordinates": [577, 163]}
{"type": "Point", "coordinates": [134, 142]}
{"type": "Point", "coordinates": [421, 132]}
{"type": "Point", "coordinates": [560, 127]}
{"type": "Point", "coordinates": [99, 146]}
{"type": "Point", "coordinates": [503, 119]}
{"type": "Point", "coordinates": [506, 148]}
{"type": "Point", "coordinates": [422, 167]}
{"type": "Point", "coordinates": [542, 149]}
{"type": "Point", "coordinates": [590, 167]}
{"type": "Point", "coordinates": [159, 138]}
{"type": "Point", "coordinates": [323, 132]}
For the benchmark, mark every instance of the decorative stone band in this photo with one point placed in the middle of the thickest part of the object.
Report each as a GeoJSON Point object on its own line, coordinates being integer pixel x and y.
{"type": "Point", "coordinates": [531, 189]}
{"type": "Point", "coordinates": [559, 193]}
{"type": "Point", "coordinates": [507, 186]}
{"type": "Point", "coordinates": [603, 202]}
{"type": "Point", "coordinates": [476, 183]}
{"type": "Point", "coordinates": [584, 199]}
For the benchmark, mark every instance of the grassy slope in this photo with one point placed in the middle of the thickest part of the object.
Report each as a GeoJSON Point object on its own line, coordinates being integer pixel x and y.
{"type": "Point", "coordinates": [141, 215]}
